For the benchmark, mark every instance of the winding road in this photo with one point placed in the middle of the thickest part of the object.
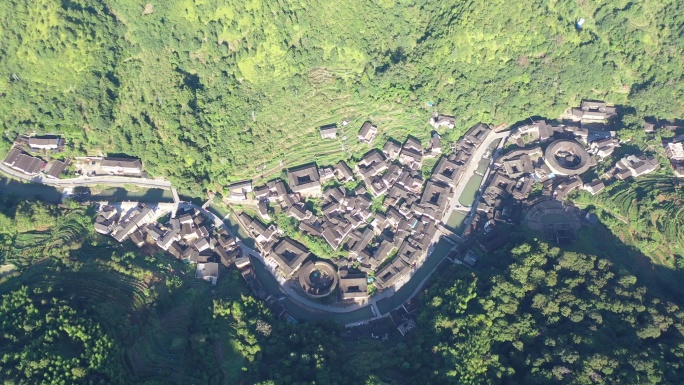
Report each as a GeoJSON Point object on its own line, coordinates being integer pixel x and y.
{"type": "Point", "coordinates": [298, 305]}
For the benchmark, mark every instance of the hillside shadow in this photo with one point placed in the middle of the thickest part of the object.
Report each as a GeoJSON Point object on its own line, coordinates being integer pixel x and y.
{"type": "Point", "coordinates": [528, 121]}
{"type": "Point", "coordinates": [599, 241]}
{"type": "Point", "coordinates": [122, 195]}
{"type": "Point", "coordinates": [15, 191]}
{"type": "Point", "coordinates": [121, 155]}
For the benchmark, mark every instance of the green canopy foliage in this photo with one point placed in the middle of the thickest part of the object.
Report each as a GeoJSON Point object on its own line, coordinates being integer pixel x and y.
{"type": "Point", "coordinates": [212, 91]}
{"type": "Point", "coordinates": [46, 340]}
{"type": "Point", "coordinates": [553, 317]}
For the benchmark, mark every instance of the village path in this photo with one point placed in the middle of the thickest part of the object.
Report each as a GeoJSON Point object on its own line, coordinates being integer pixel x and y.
{"type": "Point", "coordinates": [115, 181]}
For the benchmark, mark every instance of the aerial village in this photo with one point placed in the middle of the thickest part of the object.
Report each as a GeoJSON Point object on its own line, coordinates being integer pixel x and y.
{"type": "Point", "coordinates": [38, 156]}
{"type": "Point", "coordinates": [382, 248]}
{"type": "Point", "coordinates": [491, 176]}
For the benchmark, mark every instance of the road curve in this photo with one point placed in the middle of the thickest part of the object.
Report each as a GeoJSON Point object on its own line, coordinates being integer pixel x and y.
{"type": "Point", "coordinates": [296, 299]}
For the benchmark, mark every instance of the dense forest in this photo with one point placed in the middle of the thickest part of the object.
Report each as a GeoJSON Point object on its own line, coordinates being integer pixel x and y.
{"type": "Point", "coordinates": [212, 91]}
{"type": "Point", "coordinates": [532, 313]}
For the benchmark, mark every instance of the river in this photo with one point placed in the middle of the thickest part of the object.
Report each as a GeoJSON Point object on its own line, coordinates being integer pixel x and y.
{"type": "Point", "coordinates": [31, 191]}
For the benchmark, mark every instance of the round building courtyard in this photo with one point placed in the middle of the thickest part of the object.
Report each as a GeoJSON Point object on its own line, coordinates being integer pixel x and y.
{"type": "Point", "coordinates": [318, 279]}
{"type": "Point", "coordinates": [567, 157]}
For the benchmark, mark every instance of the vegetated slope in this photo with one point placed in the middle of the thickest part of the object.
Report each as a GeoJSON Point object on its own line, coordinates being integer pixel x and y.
{"type": "Point", "coordinates": [81, 308]}
{"type": "Point", "coordinates": [46, 340]}
{"type": "Point", "coordinates": [34, 231]}
{"type": "Point", "coordinates": [647, 213]}
{"type": "Point", "coordinates": [207, 92]}
{"type": "Point", "coordinates": [552, 317]}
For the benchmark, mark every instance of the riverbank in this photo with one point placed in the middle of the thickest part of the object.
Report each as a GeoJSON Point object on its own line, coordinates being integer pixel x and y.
{"type": "Point", "coordinates": [31, 191]}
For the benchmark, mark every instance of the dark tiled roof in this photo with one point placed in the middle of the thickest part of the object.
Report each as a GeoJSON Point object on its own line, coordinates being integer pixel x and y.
{"type": "Point", "coordinates": [353, 285]}
{"type": "Point", "coordinates": [343, 172]}
{"type": "Point", "coordinates": [121, 162]}
{"type": "Point", "coordinates": [367, 131]}
{"type": "Point", "coordinates": [303, 177]}
{"type": "Point", "coordinates": [56, 169]}
{"type": "Point", "coordinates": [22, 162]}
{"type": "Point", "coordinates": [289, 255]}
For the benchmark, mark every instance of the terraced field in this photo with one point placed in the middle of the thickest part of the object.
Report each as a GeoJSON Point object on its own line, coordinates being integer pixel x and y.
{"type": "Point", "coordinates": [160, 351]}
{"type": "Point", "coordinates": [33, 246]}
{"type": "Point", "coordinates": [317, 108]}
{"type": "Point", "coordinates": [123, 293]}
{"type": "Point", "coordinates": [651, 211]}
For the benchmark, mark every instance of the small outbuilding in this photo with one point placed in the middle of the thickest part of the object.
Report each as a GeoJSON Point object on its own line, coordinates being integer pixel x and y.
{"type": "Point", "coordinates": [329, 131]}
{"type": "Point", "coordinates": [208, 271]}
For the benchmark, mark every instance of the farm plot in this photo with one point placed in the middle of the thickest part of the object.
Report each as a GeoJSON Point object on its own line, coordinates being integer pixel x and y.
{"type": "Point", "coordinates": [160, 351]}
{"type": "Point", "coordinates": [33, 246]}
{"type": "Point", "coordinates": [311, 110]}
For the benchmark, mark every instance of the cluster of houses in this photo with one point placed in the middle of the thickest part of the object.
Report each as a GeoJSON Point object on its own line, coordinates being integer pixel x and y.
{"type": "Point", "coordinates": [570, 150]}
{"type": "Point", "coordinates": [384, 244]}
{"type": "Point", "coordinates": [188, 236]}
{"type": "Point", "coordinates": [26, 156]}
{"type": "Point", "coordinates": [634, 166]}
{"type": "Point", "coordinates": [381, 247]}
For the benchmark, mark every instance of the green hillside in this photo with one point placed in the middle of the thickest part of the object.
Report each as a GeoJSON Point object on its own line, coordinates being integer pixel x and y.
{"type": "Point", "coordinates": [211, 91]}
{"type": "Point", "coordinates": [541, 315]}
{"type": "Point", "coordinates": [647, 213]}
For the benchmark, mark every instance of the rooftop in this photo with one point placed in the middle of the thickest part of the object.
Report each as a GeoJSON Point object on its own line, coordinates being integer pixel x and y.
{"type": "Point", "coordinates": [45, 142]}
{"type": "Point", "coordinates": [303, 178]}
{"type": "Point", "coordinates": [567, 157]}
{"type": "Point", "coordinates": [367, 132]}
{"type": "Point", "coordinates": [353, 285]}
{"type": "Point", "coordinates": [121, 163]}
{"type": "Point", "coordinates": [328, 131]}
{"type": "Point", "coordinates": [289, 255]}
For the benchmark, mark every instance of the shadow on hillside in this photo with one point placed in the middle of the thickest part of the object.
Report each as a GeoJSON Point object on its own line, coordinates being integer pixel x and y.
{"type": "Point", "coordinates": [15, 191]}
{"type": "Point", "coordinates": [122, 195]}
{"type": "Point", "coordinates": [598, 240]}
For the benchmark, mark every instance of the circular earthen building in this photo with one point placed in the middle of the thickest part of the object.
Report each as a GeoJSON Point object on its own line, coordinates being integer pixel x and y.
{"type": "Point", "coordinates": [318, 279]}
{"type": "Point", "coordinates": [567, 157]}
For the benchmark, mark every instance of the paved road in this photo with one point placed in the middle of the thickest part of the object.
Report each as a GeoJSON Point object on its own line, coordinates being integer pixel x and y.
{"type": "Point", "coordinates": [116, 181]}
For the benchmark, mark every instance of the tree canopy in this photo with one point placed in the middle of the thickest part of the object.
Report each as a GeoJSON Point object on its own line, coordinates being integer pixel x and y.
{"type": "Point", "coordinates": [212, 91]}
